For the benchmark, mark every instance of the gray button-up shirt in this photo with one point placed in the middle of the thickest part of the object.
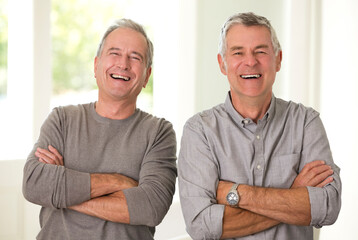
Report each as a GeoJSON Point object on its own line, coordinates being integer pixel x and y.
{"type": "Point", "coordinates": [219, 144]}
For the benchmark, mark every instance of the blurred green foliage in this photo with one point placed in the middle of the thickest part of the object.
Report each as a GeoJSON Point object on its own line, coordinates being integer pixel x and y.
{"type": "Point", "coordinates": [3, 47]}
{"type": "Point", "coordinates": [77, 28]}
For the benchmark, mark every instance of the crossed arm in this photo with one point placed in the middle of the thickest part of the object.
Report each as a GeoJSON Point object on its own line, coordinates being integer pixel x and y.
{"type": "Point", "coordinates": [107, 199]}
{"type": "Point", "coordinates": [263, 208]}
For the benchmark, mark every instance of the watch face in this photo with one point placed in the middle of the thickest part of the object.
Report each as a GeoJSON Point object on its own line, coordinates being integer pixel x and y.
{"type": "Point", "coordinates": [232, 198]}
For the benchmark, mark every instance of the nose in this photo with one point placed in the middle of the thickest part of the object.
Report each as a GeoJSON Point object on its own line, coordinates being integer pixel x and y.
{"type": "Point", "coordinates": [123, 62]}
{"type": "Point", "coordinates": [250, 60]}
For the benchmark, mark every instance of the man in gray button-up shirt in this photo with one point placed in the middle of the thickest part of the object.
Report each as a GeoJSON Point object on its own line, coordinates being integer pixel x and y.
{"type": "Point", "coordinates": [256, 167]}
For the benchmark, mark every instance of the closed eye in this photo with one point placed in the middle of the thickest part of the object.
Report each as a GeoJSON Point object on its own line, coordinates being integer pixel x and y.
{"type": "Point", "coordinates": [136, 58]}
{"type": "Point", "coordinates": [260, 52]}
{"type": "Point", "coordinates": [261, 49]}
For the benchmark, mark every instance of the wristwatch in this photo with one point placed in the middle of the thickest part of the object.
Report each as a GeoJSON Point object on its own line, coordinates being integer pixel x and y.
{"type": "Point", "coordinates": [233, 197]}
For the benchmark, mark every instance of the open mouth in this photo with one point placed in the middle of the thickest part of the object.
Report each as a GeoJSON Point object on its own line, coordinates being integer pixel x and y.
{"type": "Point", "coordinates": [119, 77]}
{"type": "Point", "coordinates": [251, 76]}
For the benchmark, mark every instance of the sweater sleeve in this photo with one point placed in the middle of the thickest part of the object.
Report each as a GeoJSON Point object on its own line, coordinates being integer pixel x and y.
{"type": "Point", "coordinates": [51, 185]}
{"type": "Point", "coordinates": [150, 201]}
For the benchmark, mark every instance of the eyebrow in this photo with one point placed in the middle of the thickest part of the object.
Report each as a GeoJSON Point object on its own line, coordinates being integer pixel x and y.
{"type": "Point", "coordinates": [133, 52]}
{"type": "Point", "coordinates": [235, 48]}
{"type": "Point", "coordinates": [262, 46]}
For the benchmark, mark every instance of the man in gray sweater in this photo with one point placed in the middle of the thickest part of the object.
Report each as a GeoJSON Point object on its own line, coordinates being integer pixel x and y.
{"type": "Point", "coordinates": [105, 170]}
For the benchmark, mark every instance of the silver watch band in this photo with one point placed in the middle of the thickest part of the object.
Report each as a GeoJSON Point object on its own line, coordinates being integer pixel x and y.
{"type": "Point", "coordinates": [234, 187]}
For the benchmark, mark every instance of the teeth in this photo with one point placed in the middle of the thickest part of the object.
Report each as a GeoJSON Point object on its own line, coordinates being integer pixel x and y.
{"type": "Point", "coordinates": [120, 77]}
{"type": "Point", "coordinates": [251, 76]}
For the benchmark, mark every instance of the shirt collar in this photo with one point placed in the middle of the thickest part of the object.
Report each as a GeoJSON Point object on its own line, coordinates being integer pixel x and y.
{"type": "Point", "coordinates": [271, 111]}
{"type": "Point", "coordinates": [237, 116]}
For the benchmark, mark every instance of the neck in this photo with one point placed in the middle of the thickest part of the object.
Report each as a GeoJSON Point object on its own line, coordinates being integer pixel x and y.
{"type": "Point", "coordinates": [115, 110]}
{"type": "Point", "coordinates": [250, 107]}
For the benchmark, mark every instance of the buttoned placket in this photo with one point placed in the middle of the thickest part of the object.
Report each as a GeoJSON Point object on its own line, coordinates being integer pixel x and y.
{"type": "Point", "coordinates": [259, 160]}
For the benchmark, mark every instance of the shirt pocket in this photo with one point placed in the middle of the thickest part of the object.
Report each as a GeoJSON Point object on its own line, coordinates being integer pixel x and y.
{"type": "Point", "coordinates": [282, 170]}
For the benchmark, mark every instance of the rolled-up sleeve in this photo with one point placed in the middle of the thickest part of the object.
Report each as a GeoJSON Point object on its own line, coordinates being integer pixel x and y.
{"type": "Point", "coordinates": [325, 205]}
{"type": "Point", "coordinates": [325, 202]}
{"type": "Point", "coordinates": [198, 179]}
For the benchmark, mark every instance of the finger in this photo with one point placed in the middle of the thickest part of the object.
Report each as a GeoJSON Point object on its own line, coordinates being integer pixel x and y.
{"type": "Point", "coordinates": [50, 156]}
{"type": "Point", "coordinates": [311, 165]}
{"type": "Point", "coordinates": [325, 182]}
{"type": "Point", "coordinates": [37, 154]}
{"type": "Point", "coordinates": [45, 155]}
{"type": "Point", "coordinates": [320, 177]}
{"type": "Point", "coordinates": [45, 161]}
{"type": "Point", "coordinates": [41, 156]}
{"type": "Point", "coordinates": [45, 152]}
{"type": "Point", "coordinates": [317, 174]}
{"type": "Point", "coordinates": [315, 171]}
{"type": "Point", "coordinates": [312, 174]}
{"type": "Point", "coordinates": [41, 160]}
{"type": "Point", "coordinates": [57, 154]}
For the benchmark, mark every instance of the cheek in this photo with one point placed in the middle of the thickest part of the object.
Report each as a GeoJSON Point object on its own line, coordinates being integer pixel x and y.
{"type": "Point", "coordinates": [140, 72]}
{"type": "Point", "coordinates": [233, 69]}
{"type": "Point", "coordinates": [99, 69]}
{"type": "Point", "coordinates": [233, 65]}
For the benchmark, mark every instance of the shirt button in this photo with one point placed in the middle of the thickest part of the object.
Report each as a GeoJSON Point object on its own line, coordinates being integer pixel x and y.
{"type": "Point", "coordinates": [246, 122]}
{"type": "Point", "coordinates": [258, 136]}
{"type": "Point", "coordinates": [258, 167]}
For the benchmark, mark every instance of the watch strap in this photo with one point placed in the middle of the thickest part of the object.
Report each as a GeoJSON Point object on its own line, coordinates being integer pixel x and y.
{"type": "Point", "coordinates": [234, 187]}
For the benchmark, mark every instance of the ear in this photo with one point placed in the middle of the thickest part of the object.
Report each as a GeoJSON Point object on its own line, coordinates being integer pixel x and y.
{"type": "Point", "coordinates": [278, 61]}
{"type": "Point", "coordinates": [222, 64]}
{"type": "Point", "coordinates": [147, 75]}
{"type": "Point", "coordinates": [95, 66]}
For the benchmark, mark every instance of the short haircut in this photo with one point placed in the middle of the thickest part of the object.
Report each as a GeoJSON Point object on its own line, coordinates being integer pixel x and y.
{"type": "Point", "coordinates": [127, 23]}
{"type": "Point", "coordinates": [247, 19]}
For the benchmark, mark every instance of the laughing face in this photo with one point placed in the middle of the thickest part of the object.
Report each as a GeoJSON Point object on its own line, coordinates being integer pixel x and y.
{"type": "Point", "coordinates": [250, 62]}
{"type": "Point", "coordinates": [121, 70]}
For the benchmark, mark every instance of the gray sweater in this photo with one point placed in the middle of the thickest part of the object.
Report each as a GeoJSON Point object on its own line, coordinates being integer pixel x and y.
{"type": "Point", "coordinates": [141, 147]}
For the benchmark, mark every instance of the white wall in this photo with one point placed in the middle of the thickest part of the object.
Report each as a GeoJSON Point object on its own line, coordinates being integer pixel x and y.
{"type": "Point", "coordinates": [339, 101]}
{"type": "Point", "coordinates": [209, 85]}
{"type": "Point", "coordinates": [19, 218]}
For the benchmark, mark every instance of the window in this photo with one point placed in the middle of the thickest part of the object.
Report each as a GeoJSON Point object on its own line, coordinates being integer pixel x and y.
{"type": "Point", "coordinates": [16, 121]}
{"type": "Point", "coordinates": [3, 49]}
{"type": "Point", "coordinates": [77, 28]}
{"type": "Point", "coordinates": [4, 119]}
{"type": "Point", "coordinates": [26, 72]}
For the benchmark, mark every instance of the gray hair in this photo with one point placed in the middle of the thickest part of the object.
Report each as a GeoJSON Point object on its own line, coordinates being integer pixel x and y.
{"type": "Point", "coordinates": [247, 19]}
{"type": "Point", "coordinates": [127, 23]}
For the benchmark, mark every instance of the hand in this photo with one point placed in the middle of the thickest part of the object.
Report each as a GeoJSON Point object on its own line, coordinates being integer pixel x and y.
{"type": "Point", "coordinates": [50, 156]}
{"type": "Point", "coordinates": [314, 174]}
{"type": "Point", "coordinates": [222, 190]}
